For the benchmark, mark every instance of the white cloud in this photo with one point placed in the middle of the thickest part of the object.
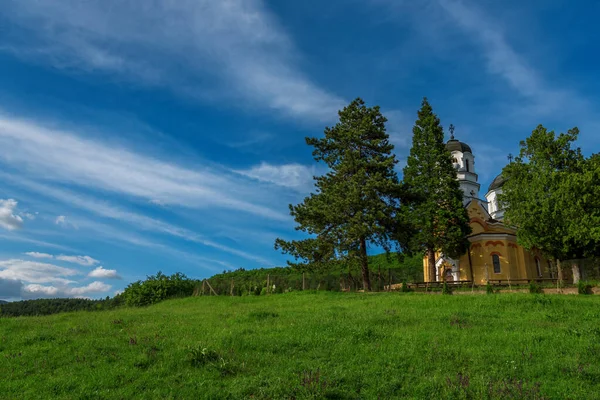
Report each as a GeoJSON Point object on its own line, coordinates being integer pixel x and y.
{"type": "Point", "coordinates": [35, 272]}
{"type": "Point", "coordinates": [35, 254]}
{"type": "Point", "coordinates": [29, 216]}
{"type": "Point", "coordinates": [40, 290]}
{"type": "Point", "coordinates": [63, 156]}
{"type": "Point", "coordinates": [86, 261]}
{"type": "Point", "coordinates": [94, 287]}
{"type": "Point", "coordinates": [8, 219]}
{"type": "Point", "coordinates": [295, 176]}
{"type": "Point", "coordinates": [65, 222]}
{"type": "Point", "coordinates": [100, 272]}
{"type": "Point", "coordinates": [183, 45]}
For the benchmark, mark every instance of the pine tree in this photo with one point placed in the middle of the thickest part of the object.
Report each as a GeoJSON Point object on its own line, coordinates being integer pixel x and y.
{"type": "Point", "coordinates": [436, 209]}
{"type": "Point", "coordinates": [357, 202]}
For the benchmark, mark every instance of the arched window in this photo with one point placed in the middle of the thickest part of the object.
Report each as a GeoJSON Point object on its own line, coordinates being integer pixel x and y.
{"type": "Point", "coordinates": [496, 262]}
{"type": "Point", "coordinates": [551, 269]}
{"type": "Point", "coordinates": [467, 164]}
{"type": "Point", "coordinates": [538, 267]}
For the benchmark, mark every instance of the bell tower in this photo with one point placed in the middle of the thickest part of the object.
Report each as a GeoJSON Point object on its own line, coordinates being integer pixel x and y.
{"type": "Point", "coordinates": [463, 161]}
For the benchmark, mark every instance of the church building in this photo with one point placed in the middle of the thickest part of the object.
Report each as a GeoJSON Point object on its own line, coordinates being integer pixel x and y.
{"type": "Point", "coordinates": [494, 253]}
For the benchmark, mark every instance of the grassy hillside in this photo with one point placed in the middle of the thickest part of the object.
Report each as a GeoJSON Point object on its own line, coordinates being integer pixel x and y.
{"type": "Point", "coordinates": [311, 345]}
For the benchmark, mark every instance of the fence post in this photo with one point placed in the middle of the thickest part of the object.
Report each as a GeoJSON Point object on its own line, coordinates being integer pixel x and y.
{"type": "Point", "coordinates": [303, 281]}
{"type": "Point", "coordinates": [211, 288]}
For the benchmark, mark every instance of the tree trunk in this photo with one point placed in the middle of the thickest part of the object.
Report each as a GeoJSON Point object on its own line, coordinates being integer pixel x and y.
{"type": "Point", "coordinates": [364, 262]}
{"type": "Point", "coordinates": [576, 272]}
{"type": "Point", "coordinates": [431, 264]}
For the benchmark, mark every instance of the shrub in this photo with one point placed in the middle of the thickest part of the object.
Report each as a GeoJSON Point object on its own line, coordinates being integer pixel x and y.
{"type": "Point", "coordinates": [584, 288]}
{"type": "Point", "coordinates": [489, 289]}
{"type": "Point", "coordinates": [534, 288]}
{"type": "Point", "coordinates": [263, 291]}
{"type": "Point", "coordinates": [446, 289]}
{"type": "Point", "coordinates": [405, 288]}
{"type": "Point", "coordinates": [157, 288]}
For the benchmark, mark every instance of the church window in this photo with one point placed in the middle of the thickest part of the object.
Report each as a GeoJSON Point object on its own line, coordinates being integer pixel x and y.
{"type": "Point", "coordinates": [496, 262]}
{"type": "Point", "coordinates": [538, 267]}
{"type": "Point", "coordinates": [467, 165]}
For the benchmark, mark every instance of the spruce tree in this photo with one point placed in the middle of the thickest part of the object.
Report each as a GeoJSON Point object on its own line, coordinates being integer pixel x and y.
{"type": "Point", "coordinates": [356, 203]}
{"type": "Point", "coordinates": [436, 208]}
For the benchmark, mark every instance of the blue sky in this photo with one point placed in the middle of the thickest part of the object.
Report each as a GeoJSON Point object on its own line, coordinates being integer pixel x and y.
{"type": "Point", "coordinates": [169, 135]}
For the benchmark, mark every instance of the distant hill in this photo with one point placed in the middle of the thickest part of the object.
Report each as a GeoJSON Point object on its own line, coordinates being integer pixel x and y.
{"type": "Point", "coordinates": [3, 302]}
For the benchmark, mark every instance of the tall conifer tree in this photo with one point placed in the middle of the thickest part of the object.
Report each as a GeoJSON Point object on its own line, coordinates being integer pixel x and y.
{"type": "Point", "coordinates": [357, 202]}
{"type": "Point", "coordinates": [436, 209]}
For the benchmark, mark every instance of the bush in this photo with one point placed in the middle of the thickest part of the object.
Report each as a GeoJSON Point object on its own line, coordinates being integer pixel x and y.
{"type": "Point", "coordinates": [157, 288]}
{"type": "Point", "coordinates": [584, 288]}
{"type": "Point", "coordinates": [534, 288]}
{"type": "Point", "coordinates": [489, 289]}
{"type": "Point", "coordinates": [405, 288]}
{"type": "Point", "coordinates": [446, 289]}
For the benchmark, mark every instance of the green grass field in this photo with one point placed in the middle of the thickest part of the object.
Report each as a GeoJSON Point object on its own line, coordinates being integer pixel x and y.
{"type": "Point", "coordinates": [311, 345]}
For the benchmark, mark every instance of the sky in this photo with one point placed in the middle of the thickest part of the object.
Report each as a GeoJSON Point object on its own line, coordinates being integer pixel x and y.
{"type": "Point", "coordinates": [138, 136]}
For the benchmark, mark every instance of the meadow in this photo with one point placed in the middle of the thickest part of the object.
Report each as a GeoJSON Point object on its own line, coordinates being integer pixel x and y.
{"type": "Point", "coordinates": [304, 345]}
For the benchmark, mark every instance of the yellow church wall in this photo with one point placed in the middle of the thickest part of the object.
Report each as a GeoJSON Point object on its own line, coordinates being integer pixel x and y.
{"type": "Point", "coordinates": [490, 237]}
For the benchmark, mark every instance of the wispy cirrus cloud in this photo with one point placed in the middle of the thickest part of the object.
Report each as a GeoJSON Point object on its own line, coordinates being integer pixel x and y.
{"type": "Point", "coordinates": [85, 261]}
{"type": "Point", "coordinates": [183, 45]}
{"type": "Point", "coordinates": [136, 220]}
{"type": "Point", "coordinates": [295, 176]}
{"type": "Point", "coordinates": [63, 156]}
{"type": "Point", "coordinates": [504, 61]}
{"type": "Point", "coordinates": [36, 254]}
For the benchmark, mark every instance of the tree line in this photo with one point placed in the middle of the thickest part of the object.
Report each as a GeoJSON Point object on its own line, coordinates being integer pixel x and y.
{"type": "Point", "coordinates": [338, 275]}
{"type": "Point", "coordinates": [36, 307]}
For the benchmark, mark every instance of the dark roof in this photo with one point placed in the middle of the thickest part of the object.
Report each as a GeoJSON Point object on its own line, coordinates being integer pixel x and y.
{"type": "Point", "coordinates": [497, 182]}
{"type": "Point", "coordinates": [455, 145]}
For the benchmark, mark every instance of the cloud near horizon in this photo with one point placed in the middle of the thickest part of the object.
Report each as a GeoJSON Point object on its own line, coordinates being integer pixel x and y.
{"type": "Point", "coordinates": [30, 279]}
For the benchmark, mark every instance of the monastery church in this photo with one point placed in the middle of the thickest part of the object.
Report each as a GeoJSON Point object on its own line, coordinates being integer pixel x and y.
{"type": "Point", "coordinates": [494, 253]}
